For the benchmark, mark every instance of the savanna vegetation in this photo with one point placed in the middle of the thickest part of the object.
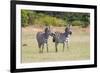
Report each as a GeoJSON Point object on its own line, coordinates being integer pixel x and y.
{"type": "Point", "coordinates": [40, 18]}
{"type": "Point", "coordinates": [79, 46]}
{"type": "Point", "coordinates": [79, 43]}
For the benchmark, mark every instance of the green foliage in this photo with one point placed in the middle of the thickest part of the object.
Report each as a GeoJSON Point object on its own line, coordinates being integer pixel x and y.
{"type": "Point", "coordinates": [76, 23]}
{"type": "Point", "coordinates": [80, 23]}
{"type": "Point", "coordinates": [41, 18]}
{"type": "Point", "coordinates": [58, 22]}
{"type": "Point", "coordinates": [31, 17]}
{"type": "Point", "coordinates": [86, 20]}
{"type": "Point", "coordinates": [85, 24]}
{"type": "Point", "coordinates": [48, 20]}
{"type": "Point", "coordinates": [24, 18]}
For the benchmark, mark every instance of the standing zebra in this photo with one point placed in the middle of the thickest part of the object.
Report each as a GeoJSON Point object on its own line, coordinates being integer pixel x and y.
{"type": "Point", "coordinates": [63, 38]}
{"type": "Point", "coordinates": [42, 39]}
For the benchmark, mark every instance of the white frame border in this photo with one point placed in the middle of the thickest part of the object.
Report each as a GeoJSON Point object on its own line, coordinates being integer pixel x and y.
{"type": "Point", "coordinates": [57, 63]}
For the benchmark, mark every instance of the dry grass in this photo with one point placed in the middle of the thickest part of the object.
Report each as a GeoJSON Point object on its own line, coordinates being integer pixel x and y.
{"type": "Point", "coordinates": [79, 46]}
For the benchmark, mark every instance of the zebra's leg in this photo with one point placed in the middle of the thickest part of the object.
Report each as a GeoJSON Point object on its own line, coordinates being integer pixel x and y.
{"type": "Point", "coordinates": [47, 47]}
{"type": "Point", "coordinates": [39, 47]}
{"type": "Point", "coordinates": [56, 44]}
{"type": "Point", "coordinates": [63, 46]}
{"type": "Point", "coordinates": [39, 50]}
{"type": "Point", "coordinates": [67, 44]}
{"type": "Point", "coordinates": [42, 47]}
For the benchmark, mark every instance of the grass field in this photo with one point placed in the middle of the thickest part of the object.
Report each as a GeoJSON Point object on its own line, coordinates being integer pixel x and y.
{"type": "Point", "coordinates": [79, 46]}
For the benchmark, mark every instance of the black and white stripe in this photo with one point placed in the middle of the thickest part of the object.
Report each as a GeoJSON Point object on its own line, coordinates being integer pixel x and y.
{"type": "Point", "coordinates": [42, 39]}
{"type": "Point", "coordinates": [63, 38]}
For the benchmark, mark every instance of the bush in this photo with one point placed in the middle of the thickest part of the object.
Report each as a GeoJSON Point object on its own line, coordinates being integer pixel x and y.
{"type": "Point", "coordinates": [85, 24]}
{"type": "Point", "coordinates": [77, 23]}
{"type": "Point", "coordinates": [24, 18]}
{"type": "Point", "coordinates": [48, 20]}
{"type": "Point", "coordinates": [41, 18]}
{"type": "Point", "coordinates": [80, 23]}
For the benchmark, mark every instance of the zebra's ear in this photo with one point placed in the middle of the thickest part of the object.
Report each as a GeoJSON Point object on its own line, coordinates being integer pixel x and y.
{"type": "Point", "coordinates": [49, 27]}
{"type": "Point", "coordinates": [70, 26]}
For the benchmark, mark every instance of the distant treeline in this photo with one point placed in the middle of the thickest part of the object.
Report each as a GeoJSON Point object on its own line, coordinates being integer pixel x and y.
{"type": "Point", "coordinates": [40, 18]}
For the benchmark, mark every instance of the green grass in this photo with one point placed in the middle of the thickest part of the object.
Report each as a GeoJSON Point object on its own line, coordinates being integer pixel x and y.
{"type": "Point", "coordinates": [79, 47]}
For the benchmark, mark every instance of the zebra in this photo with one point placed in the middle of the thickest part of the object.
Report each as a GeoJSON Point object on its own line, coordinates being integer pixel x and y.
{"type": "Point", "coordinates": [63, 38]}
{"type": "Point", "coordinates": [42, 39]}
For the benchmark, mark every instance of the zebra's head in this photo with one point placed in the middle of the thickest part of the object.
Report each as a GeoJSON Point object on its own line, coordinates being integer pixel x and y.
{"type": "Point", "coordinates": [68, 30]}
{"type": "Point", "coordinates": [48, 30]}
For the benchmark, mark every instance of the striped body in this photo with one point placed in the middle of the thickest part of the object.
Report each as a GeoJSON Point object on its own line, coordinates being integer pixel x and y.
{"type": "Point", "coordinates": [63, 38]}
{"type": "Point", "coordinates": [42, 39]}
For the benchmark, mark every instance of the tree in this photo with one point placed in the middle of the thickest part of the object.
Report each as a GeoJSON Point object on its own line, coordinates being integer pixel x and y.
{"type": "Point", "coordinates": [30, 17]}
{"type": "Point", "coordinates": [24, 18]}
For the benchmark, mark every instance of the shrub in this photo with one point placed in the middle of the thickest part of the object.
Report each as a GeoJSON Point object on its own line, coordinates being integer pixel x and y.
{"type": "Point", "coordinates": [85, 24]}
{"type": "Point", "coordinates": [48, 20]}
{"type": "Point", "coordinates": [24, 18]}
{"type": "Point", "coordinates": [41, 18]}
{"type": "Point", "coordinates": [77, 23]}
